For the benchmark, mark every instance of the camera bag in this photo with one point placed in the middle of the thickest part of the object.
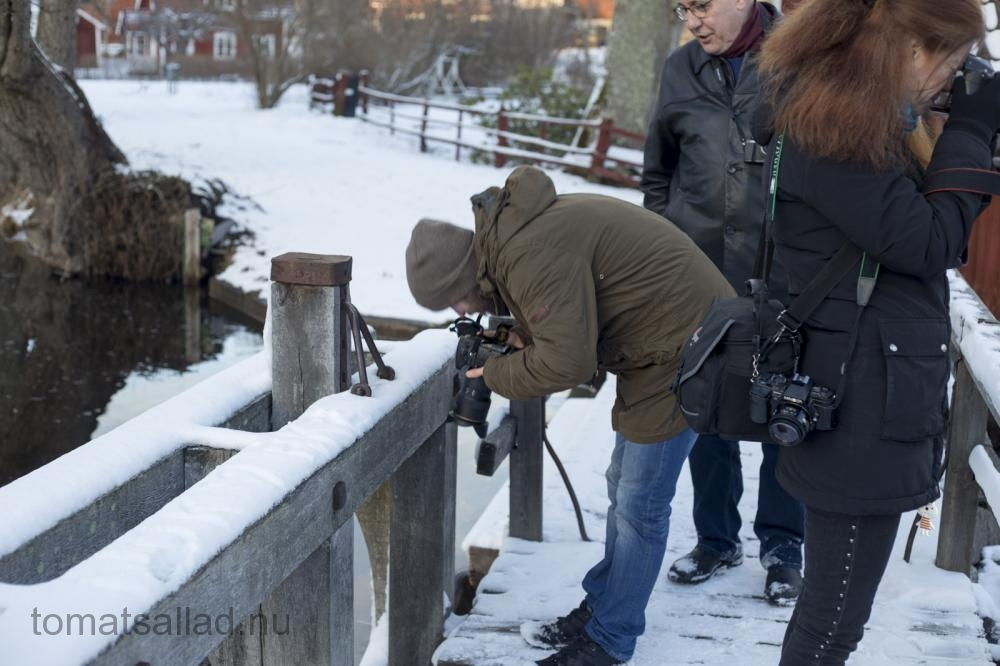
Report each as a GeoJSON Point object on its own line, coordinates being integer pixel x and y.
{"type": "Point", "coordinates": [739, 338]}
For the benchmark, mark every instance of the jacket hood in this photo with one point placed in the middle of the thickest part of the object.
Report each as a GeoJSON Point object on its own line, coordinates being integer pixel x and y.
{"type": "Point", "coordinates": [501, 212]}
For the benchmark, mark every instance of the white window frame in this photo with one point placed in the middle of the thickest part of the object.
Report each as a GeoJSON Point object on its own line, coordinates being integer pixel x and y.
{"type": "Point", "coordinates": [224, 45]}
{"type": "Point", "coordinates": [138, 42]}
{"type": "Point", "coordinates": [267, 44]}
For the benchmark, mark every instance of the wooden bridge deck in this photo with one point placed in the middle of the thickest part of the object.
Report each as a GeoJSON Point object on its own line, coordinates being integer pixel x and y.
{"type": "Point", "coordinates": [923, 615]}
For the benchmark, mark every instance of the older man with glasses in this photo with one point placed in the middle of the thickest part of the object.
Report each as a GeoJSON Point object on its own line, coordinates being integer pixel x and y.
{"type": "Point", "coordinates": [703, 172]}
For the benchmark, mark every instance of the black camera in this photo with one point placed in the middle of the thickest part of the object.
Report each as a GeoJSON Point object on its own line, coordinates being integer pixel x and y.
{"type": "Point", "coordinates": [791, 407]}
{"type": "Point", "coordinates": [472, 397]}
{"type": "Point", "coordinates": [974, 72]}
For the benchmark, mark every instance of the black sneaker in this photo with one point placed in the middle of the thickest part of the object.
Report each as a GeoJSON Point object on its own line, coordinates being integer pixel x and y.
{"type": "Point", "coordinates": [560, 632]}
{"type": "Point", "coordinates": [783, 585]}
{"type": "Point", "coordinates": [701, 564]}
{"type": "Point", "coordinates": [584, 652]}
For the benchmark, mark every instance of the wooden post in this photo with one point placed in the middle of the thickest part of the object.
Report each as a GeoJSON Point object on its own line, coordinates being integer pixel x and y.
{"type": "Point", "coordinates": [311, 359]}
{"type": "Point", "coordinates": [392, 117]}
{"type": "Point", "coordinates": [423, 127]}
{"type": "Point", "coordinates": [526, 469]}
{"type": "Point", "coordinates": [339, 93]}
{"type": "Point", "coordinates": [967, 428]}
{"type": "Point", "coordinates": [498, 158]}
{"type": "Point", "coordinates": [192, 247]}
{"type": "Point", "coordinates": [364, 94]}
{"type": "Point", "coordinates": [192, 324]}
{"type": "Point", "coordinates": [423, 490]}
{"type": "Point", "coordinates": [458, 137]}
{"type": "Point", "coordinates": [603, 145]}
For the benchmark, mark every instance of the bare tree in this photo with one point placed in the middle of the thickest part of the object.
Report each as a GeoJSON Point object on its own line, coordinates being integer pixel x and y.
{"type": "Point", "coordinates": [57, 31]}
{"type": "Point", "coordinates": [992, 9]}
{"type": "Point", "coordinates": [642, 34]}
{"type": "Point", "coordinates": [273, 32]}
{"type": "Point", "coordinates": [63, 194]}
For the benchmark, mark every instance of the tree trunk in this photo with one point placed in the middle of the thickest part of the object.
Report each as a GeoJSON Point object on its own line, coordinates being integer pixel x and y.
{"type": "Point", "coordinates": [57, 31]}
{"type": "Point", "coordinates": [642, 34]}
{"type": "Point", "coordinates": [63, 197]}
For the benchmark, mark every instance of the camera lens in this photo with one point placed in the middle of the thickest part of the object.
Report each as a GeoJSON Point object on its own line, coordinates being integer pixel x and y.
{"type": "Point", "coordinates": [788, 425]}
{"type": "Point", "coordinates": [472, 403]}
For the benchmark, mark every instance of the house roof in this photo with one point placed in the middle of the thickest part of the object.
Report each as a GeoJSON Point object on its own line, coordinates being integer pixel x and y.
{"type": "Point", "coordinates": [91, 13]}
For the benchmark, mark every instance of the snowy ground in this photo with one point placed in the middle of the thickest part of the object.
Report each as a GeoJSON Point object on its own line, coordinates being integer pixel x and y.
{"type": "Point", "coordinates": [320, 184]}
{"type": "Point", "coordinates": [922, 614]}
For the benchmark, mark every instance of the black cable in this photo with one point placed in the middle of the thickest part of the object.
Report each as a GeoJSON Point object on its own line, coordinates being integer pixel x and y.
{"type": "Point", "coordinates": [569, 486]}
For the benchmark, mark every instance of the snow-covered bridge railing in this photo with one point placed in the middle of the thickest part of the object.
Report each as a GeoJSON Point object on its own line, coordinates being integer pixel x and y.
{"type": "Point", "coordinates": [972, 464]}
{"type": "Point", "coordinates": [173, 539]}
{"type": "Point", "coordinates": [428, 120]}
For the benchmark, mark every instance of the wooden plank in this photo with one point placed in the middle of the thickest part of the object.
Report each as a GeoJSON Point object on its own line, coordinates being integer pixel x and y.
{"type": "Point", "coordinates": [303, 348]}
{"type": "Point", "coordinates": [77, 537]}
{"type": "Point", "coordinates": [496, 446]}
{"type": "Point", "coordinates": [310, 359]}
{"type": "Point", "coordinates": [80, 535]}
{"type": "Point", "coordinates": [191, 268]}
{"type": "Point", "coordinates": [248, 569]}
{"type": "Point", "coordinates": [254, 417]}
{"type": "Point", "coordinates": [199, 461]}
{"type": "Point", "coordinates": [446, 521]}
{"type": "Point", "coordinates": [192, 324]}
{"type": "Point", "coordinates": [416, 574]}
{"type": "Point", "coordinates": [322, 609]}
{"type": "Point", "coordinates": [961, 493]}
{"type": "Point", "coordinates": [526, 470]}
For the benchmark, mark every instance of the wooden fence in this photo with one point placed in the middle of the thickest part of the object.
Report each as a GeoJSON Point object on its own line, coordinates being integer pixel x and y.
{"type": "Point", "coordinates": [297, 559]}
{"type": "Point", "coordinates": [967, 522]}
{"type": "Point", "coordinates": [602, 159]}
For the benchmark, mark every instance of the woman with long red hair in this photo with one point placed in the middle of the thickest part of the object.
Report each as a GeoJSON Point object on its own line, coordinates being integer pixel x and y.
{"type": "Point", "coordinates": [847, 82]}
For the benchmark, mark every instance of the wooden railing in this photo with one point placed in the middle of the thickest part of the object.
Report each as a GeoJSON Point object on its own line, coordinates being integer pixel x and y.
{"type": "Point", "coordinates": [292, 563]}
{"type": "Point", "coordinates": [603, 159]}
{"type": "Point", "coordinates": [972, 480]}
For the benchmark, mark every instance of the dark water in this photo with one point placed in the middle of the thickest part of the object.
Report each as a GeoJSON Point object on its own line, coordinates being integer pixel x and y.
{"type": "Point", "coordinates": [78, 358]}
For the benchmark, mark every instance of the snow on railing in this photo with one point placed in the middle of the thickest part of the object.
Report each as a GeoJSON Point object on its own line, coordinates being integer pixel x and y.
{"type": "Point", "coordinates": [169, 540]}
{"type": "Point", "coordinates": [975, 399]}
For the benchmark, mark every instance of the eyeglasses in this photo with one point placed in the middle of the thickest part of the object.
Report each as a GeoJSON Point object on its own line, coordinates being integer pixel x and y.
{"type": "Point", "coordinates": [699, 9]}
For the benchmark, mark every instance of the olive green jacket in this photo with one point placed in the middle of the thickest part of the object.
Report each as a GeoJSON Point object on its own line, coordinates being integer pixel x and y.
{"type": "Point", "coordinates": [595, 283]}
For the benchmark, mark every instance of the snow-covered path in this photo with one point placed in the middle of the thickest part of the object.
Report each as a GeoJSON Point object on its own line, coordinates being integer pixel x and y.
{"type": "Point", "coordinates": [923, 615]}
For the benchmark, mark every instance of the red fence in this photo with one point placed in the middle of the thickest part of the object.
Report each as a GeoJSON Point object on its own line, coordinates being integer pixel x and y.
{"type": "Point", "coordinates": [604, 159]}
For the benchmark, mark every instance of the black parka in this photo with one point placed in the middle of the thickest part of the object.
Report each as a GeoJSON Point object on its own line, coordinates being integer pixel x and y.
{"type": "Point", "coordinates": [883, 454]}
{"type": "Point", "coordinates": [698, 171]}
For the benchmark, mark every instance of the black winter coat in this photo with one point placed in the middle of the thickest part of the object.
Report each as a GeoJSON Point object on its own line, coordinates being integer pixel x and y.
{"type": "Point", "coordinates": [698, 171]}
{"type": "Point", "coordinates": [883, 454]}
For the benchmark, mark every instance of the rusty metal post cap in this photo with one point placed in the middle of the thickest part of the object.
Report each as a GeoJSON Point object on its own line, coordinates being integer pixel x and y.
{"type": "Point", "coordinates": [315, 270]}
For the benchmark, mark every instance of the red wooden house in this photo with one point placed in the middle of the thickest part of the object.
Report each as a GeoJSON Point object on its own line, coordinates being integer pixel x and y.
{"type": "Point", "coordinates": [204, 37]}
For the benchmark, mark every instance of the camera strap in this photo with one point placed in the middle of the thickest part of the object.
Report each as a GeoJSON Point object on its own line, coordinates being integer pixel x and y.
{"type": "Point", "coordinates": [838, 266]}
{"type": "Point", "coordinates": [980, 181]}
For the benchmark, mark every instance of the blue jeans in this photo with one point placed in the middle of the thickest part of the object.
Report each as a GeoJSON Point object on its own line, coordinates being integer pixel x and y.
{"type": "Point", "coordinates": [717, 477]}
{"type": "Point", "coordinates": [642, 479]}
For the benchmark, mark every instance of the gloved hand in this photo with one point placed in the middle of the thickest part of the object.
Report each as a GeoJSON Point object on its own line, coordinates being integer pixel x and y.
{"type": "Point", "coordinates": [978, 113]}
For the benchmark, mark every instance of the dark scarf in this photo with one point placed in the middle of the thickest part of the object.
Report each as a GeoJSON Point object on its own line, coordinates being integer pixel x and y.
{"type": "Point", "coordinates": [751, 36]}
